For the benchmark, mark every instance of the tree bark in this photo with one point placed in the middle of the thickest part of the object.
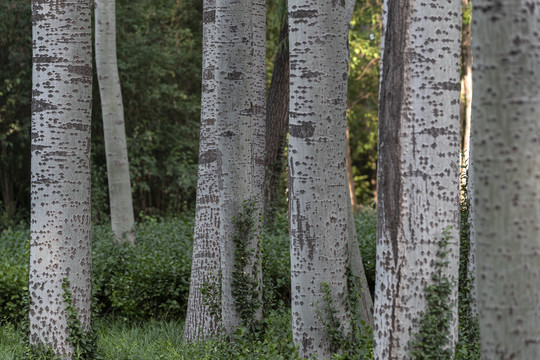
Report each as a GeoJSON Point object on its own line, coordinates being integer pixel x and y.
{"type": "Point", "coordinates": [201, 322]}
{"type": "Point", "coordinates": [60, 187]}
{"type": "Point", "coordinates": [277, 120]}
{"type": "Point", "coordinates": [418, 166]}
{"type": "Point", "coordinates": [506, 138]}
{"type": "Point", "coordinates": [120, 197]}
{"type": "Point", "coordinates": [321, 215]}
{"type": "Point", "coordinates": [240, 127]}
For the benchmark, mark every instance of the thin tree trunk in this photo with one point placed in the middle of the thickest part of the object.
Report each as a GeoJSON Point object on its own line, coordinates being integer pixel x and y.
{"type": "Point", "coordinates": [277, 120]}
{"type": "Point", "coordinates": [120, 197]}
{"type": "Point", "coordinates": [350, 177]}
{"type": "Point", "coordinates": [466, 146]}
{"type": "Point", "coordinates": [240, 126]}
{"type": "Point", "coordinates": [60, 188]}
{"type": "Point", "coordinates": [466, 86]}
{"type": "Point", "coordinates": [201, 319]}
{"type": "Point", "coordinates": [418, 170]}
{"type": "Point", "coordinates": [506, 176]}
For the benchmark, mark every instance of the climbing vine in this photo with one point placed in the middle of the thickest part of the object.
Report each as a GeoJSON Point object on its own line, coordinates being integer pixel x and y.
{"type": "Point", "coordinates": [432, 340]}
{"type": "Point", "coordinates": [245, 286]}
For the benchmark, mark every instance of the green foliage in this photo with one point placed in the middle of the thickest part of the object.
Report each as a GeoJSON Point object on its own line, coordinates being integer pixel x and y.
{"type": "Point", "coordinates": [468, 345]}
{"type": "Point", "coordinates": [148, 280]}
{"type": "Point", "coordinates": [276, 264]}
{"type": "Point", "coordinates": [366, 230]}
{"type": "Point", "coordinates": [432, 341]}
{"type": "Point", "coordinates": [362, 94]}
{"type": "Point", "coordinates": [211, 296]}
{"type": "Point", "coordinates": [83, 342]}
{"type": "Point", "coordinates": [14, 260]}
{"type": "Point", "coordinates": [245, 286]}
{"type": "Point", "coordinates": [354, 343]}
{"type": "Point", "coordinates": [15, 97]}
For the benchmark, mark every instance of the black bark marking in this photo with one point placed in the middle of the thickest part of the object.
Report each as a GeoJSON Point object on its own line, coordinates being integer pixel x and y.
{"type": "Point", "coordinates": [84, 70]}
{"type": "Point", "coordinates": [301, 14]}
{"type": "Point", "coordinates": [39, 105]}
{"type": "Point", "coordinates": [208, 157]}
{"type": "Point", "coordinates": [209, 16]}
{"type": "Point", "coordinates": [307, 74]}
{"type": "Point", "coordinates": [303, 130]}
{"type": "Point", "coordinates": [235, 75]}
{"type": "Point", "coordinates": [72, 125]}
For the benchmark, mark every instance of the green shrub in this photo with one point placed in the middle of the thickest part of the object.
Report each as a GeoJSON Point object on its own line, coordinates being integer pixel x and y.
{"type": "Point", "coordinates": [148, 280]}
{"type": "Point", "coordinates": [276, 264]}
{"type": "Point", "coordinates": [14, 260]}
{"type": "Point", "coordinates": [366, 230]}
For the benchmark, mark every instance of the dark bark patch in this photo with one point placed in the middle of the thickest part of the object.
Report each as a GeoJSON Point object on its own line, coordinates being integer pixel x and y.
{"type": "Point", "coordinates": [447, 85]}
{"type": "Point", "coordinates": [84, 70]}
{"type": "Point", "coordinates": [209, 16]}
{"type": "Point", "coordinates": [301, 14]}
{"type": "Point", "coordinates": [338, 2]}
{"type": "Point", "coordinates": [227, 133]}
{"type": "Point", "coordinates": [72, 125]}
{"type": "Point", "coordinates": [303, 130]}
{"type": "Point", "coordinates": [208, 73]}
{"type": "Point", "coordinates": [235, 75]}
{"type": "Point", "coordinates": [208, 157]}
{"type": "Point", "coordinates": [307, 74]}
{"type": "Point", "coordinates": [39, 105]}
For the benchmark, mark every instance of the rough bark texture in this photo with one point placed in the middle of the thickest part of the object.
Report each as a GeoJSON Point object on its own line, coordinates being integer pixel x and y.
{"type": "Point", "coordinates": [240, 126]}
{"type": "Point", "coordinates": [205, 267]}
{"type": "Point", "coordinates": [60, 187]}
{"type": "Point", "coordinates": [277, 120]}
{"type": "Point", "coordinates": [418, 170]}
{"type": "Point", "coordinates": [319, 200]}
{"type": "Point", "coordinates": [120, 198]}
{"type": "Point", "coordinates": [506, 138]}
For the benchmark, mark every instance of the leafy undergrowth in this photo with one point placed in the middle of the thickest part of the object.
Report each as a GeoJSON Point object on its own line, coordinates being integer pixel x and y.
{"type": "Point", "coordinates": [162, 340]}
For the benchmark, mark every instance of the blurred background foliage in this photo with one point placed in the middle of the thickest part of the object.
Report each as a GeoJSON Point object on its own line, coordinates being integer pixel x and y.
{"type": "Point", "coordinates": [159, 60]}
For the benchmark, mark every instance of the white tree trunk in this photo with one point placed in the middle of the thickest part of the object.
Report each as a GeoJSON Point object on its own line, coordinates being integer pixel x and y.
{"type": "Point", "coordinates": [205, 268]}
{"type": "Point", "coordinates": [418, 170]}
{"type": "Point", "coordinates": [60, 187]}
{"type": "Point", "coordinates": [113, 123]}
{"type": "Point", "coordinates": [240, 127]}
{"type": "Point", "coordinates": [319, 200]}
{"type": "Point", "coordinates": [506, 144]}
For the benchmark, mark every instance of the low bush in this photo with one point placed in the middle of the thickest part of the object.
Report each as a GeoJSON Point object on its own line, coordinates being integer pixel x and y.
{"type": "Point", "coordinates": [148, 280]}
{"type": "Point", "coordinates": [14, 260]}
{"type": "Point", "coordinates": [366, 230]}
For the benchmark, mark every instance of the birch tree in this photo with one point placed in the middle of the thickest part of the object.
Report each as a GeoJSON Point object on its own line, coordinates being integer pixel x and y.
{"type": "Point", "coordinates": [205, 268]}
{"type": "Point", "coordinates": [240, 129]}
{"type": "Point", "coordinates": [418, 166]}
{"type": "Point", "coordinates": [320, 209]}
{"type": "Point", "coordinates": [120, 198]}
{"type": "Point", "coordinates": [60, 185]}
{"type": "Point", "coordinates": [506, 138]}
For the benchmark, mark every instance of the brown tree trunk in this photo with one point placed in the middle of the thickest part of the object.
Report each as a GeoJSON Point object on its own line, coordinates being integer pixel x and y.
{"type": "Point", "coordinates": [350, 177]}
{"type": "Point", "coordinates": [277, 121]}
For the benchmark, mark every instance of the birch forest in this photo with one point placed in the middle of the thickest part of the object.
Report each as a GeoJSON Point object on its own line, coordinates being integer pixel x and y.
{"type": "Point", "coordinates": [269, 179]}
